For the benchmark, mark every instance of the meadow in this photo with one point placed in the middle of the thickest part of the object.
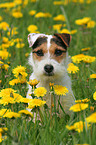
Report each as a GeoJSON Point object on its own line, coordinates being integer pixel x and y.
{"type": "Point", "coordinates": [18, 18]}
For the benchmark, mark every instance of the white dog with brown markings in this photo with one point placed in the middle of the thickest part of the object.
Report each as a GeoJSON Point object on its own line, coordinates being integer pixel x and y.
{"type": "Point", "coordinates": [49, 60]}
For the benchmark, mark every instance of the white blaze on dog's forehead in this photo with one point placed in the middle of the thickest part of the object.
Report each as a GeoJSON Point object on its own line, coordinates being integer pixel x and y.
{"type": "Point", "coordinates": [49, 37]}
{"type": "Point", "coordinates": [32, 37]}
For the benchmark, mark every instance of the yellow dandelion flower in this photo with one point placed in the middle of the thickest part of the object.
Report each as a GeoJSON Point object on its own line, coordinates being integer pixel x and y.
{"type": "Point", "coordinates": [57, 27]}
{"type": "Point", "coordinates": [32, 12]}
{"type": "Point", "coordinates": [13, 82]}
{"type": "Point", "coordinates": [73, 31]}
{"type": "Point", "coordinates": [72, 68]}
{"type": "Point", "coordinates": [40, 92]}
{"type": "Point", "coordinates": [51, 84]}
{"type": "Point", "coordinates": [1, 139]}
{"type": "Point", "coordinates": [94, 96]}
{"type": "Point", "coordinates": [17, 14]}
{"type": "Point", "coordinates": [93, 76]}
{"type": "Point", "coordinates": [83, 21]}
{"type": "Point", "coordinates": [36, 103]}
{"type": "Point", "coordinates": [6, 92]}
{"type": "Point", "coordinates": [91, 24]}
{"type": "Point", "coordinates": [33, 82]}
{"type": "Point", "coordinates": [4, 54]}
{"type": "Point", "coordinates": [88, 1]}
{"type": "Point", "coordinates": [91, 118]}
{"type": "Point", "coordinates": [78, 107]}
{"type": "Point", "coordinates": [60, 90]}
{"type": "Point", "coordinates": [5, 40]}
{"type": "Point", "coordinates": [85, 49]}
{"type": "Point", "coordinates": [65, 31]}
{"type": "Point", "coordinates": [7, 5]}
{"type": "Point", "coordinates": [41, 14]}
{"type": "Point", "coordinates": [5, 66]}
{"type": "Point", "coordinates": [20, 45]}
{"type": "Point", "coordinates": [19, 71]}
{"type": "Point", "coordinates": [25, 2]}
{"type": "Point", "coordinates": [7, 100]}
{"type": "Point", "coordinates": [81, 1]}
{"type": "Point", "coordinates": [17, 81]}
{"type": "Point", "coordinates": [22, 80]}
{"type": "Point", "coordinates": [2, 130]}
{"type": "Point", "coordinates": [81, 57]}
{"type": "Point", "coordinates": [11, 115]}
{"type": "Point", "coordinates": [8, 95]}
{"type": "Point", "coordinates": [82, 101]}
{"type": "Point", "coordinates": [77, 58]}
{"type": "Point", "coordinates": [91, 108]}
{"type": "Point", "coordinates": [59, 18]}
{"type": "Point", "coordinates": [16, 98]}
{"type": "Point", "coordinates": [88, 59]}
{"type": "Point", "coordinates": [59, 3]}
{"type": "Point", "coordinates": [32, 28]}
{"type": "Point", "coordinates": [48, 15]}
{"type": "Point", "coordinates": [70, 127]}
{"type": "Point", "coordinates": [3, 111]}
{"type": "Point", "coordinates": [4, 26]}
{"type": "Point", "coordinates": [26, 112]}
{"type": "Point", "coordinates": [5, 45]}
{"type": "Point", "coordinates": [0, 81]}
{"type": "Point", "coordinates": [78, 126]}
{"type": "Point", "coordinates": [23, 74]}
{"type": "Point", "coordinates": [18, 2]}
{"type": "Point", "coordinates": [25, 100]}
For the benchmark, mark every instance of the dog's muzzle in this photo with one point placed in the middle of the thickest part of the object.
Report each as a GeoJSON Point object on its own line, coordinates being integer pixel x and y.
{"type": "Point", "coordinates": [48, 69]}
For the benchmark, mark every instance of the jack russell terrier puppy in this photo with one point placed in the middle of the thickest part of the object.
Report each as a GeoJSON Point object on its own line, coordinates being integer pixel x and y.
{"type": "Point", "coordinates": [49, 60]}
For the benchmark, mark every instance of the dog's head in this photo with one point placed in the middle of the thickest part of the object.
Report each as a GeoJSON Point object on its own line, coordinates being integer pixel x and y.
{"type": "Point", "coordinates": [49, 55]}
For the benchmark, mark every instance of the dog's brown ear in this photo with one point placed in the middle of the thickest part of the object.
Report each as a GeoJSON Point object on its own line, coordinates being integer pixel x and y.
{"type": "Point", "coordinates": [66, 38]}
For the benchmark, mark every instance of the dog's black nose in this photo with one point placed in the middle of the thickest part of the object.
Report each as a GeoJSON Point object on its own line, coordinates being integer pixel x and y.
{"type": "Point", "coordinates": [48, 68]}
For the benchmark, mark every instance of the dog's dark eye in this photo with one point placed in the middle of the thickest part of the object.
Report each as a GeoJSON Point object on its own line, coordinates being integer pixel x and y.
{"type": "Point", "coordinates": [58, 52]}
{"type": "Point", "coordinates": [39, 53]}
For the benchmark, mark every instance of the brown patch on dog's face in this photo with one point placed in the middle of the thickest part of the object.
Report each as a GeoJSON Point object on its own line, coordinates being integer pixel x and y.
{"type": "Point", "coordinates": [57, 49]}
{"type": "Point", "coordinates": [57, 52]}
{"type": "Point", "coordinates": [39, 52]}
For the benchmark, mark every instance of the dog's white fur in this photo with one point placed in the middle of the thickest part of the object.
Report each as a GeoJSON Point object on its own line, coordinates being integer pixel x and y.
{"type": "Point", "coordinates": [60, 76]}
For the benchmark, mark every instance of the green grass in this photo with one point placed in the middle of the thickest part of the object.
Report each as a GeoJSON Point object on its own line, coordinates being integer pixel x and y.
{"type": "Point", "coordinates": [53, 131]}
